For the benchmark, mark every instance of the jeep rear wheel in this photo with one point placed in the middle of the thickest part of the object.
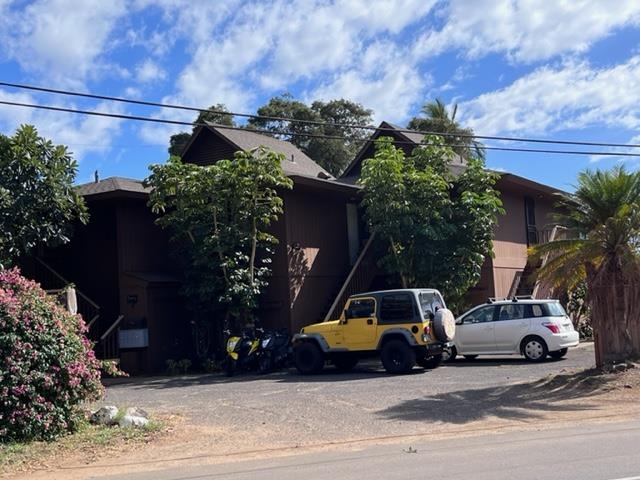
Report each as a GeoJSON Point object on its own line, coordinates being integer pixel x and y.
{"type": "Point", "coordinates": [397, 357]}
{"type": "Point", "coordinates": [308, 358]}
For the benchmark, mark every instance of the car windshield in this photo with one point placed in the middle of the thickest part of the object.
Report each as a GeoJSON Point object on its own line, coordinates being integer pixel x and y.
{"type": "Point", "coordinates": [555, 309]}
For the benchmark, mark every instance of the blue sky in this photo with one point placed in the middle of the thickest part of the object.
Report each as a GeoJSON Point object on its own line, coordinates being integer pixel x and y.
{"type": "Point", "coordinates": [565, 70]}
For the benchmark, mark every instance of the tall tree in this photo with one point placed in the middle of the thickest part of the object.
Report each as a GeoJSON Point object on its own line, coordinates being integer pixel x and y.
{"type": "Point", "coordinates": [217, 216]}
{"type": "Point", "coordinates": [437, 119]}
{"type": "Point", "coordinates": [438, 226]}
{"type": "Point", "coordinates": [37, 200]}
{"type": "Point", "coordinates": [603, 216]}
{"type": "Point", "coordinates": [217, 114]}
{"type": "Point", "coordinates": [321, 130]}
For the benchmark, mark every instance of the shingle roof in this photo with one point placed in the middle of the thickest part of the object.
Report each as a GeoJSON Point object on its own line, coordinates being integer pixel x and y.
{"type": "Point", "coordinates": [296, 162]}
{"type": "Point", "coordinates": [112, 184]}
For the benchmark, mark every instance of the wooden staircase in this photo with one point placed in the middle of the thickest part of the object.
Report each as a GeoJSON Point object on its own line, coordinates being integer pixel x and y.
{"type": "Point", "coordinates": [104, 338]}
{"type": "Point", "coordinates": [525, 282]}
{"type": "Point", "coordinates": [359, 279]}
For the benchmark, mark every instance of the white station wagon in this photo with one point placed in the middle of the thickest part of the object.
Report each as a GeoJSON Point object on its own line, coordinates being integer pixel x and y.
{"type": "Point", "coordinates": [533, 328]}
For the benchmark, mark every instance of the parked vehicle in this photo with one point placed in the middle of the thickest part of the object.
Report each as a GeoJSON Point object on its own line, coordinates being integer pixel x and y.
{"type": "Point", "coordinates": [402, 327]}
{"type": "Point", "coordinates": [529, 327]}
{"type": "Point", "coordinates": [275, 350]}
{"type": "Point", "coordinates": [242, 350]}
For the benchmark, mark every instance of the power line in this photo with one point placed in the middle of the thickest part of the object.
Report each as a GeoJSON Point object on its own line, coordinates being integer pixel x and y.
{"type": "Point", "coordinates": [310, 122]}
{"type": "Point", "coordinates": [297, 134]}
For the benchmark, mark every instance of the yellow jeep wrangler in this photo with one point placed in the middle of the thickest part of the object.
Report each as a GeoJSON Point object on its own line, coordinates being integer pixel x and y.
{"type": "Point", "coordinates": [403, 327]}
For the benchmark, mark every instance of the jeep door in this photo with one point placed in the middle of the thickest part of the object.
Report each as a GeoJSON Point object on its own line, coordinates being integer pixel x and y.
{"type": "Point", "coordinates": [475, 331]}
{"type": "Point", "coordinates": [358, 325]}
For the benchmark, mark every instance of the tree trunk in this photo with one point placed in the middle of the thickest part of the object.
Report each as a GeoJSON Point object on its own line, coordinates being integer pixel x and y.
{"type": "Point", "coordinates": [615, 314]}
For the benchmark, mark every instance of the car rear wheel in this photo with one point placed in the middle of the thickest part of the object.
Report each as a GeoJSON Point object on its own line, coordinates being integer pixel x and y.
{"type": "Point", "coordinates": [308, 358]}
{"type": "Point", "coordinates": [397, 357]}
{"type": "Point", "coordinates": [559, 353]}
{"type": "Point", "coordinates": [534, 349]}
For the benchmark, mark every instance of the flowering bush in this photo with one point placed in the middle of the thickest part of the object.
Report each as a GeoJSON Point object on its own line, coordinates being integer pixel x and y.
{"type": "Point", "coordinates": [47, 365]}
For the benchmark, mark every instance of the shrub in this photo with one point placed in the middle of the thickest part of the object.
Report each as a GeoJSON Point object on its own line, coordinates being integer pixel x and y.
{"type": "Point", "coordinates": [47, 365]}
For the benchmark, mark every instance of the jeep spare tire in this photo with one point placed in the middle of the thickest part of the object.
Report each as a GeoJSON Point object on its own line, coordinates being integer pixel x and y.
{"type": "Point", "coordinates": [444, 325]}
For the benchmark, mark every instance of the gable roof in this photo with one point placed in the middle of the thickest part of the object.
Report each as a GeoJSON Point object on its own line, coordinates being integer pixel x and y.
{"type": "Point", "coordinates": [296, 162]}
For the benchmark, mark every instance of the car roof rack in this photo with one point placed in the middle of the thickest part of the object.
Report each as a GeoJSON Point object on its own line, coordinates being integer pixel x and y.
{"type": "Point", "coordinates": [522, 297]}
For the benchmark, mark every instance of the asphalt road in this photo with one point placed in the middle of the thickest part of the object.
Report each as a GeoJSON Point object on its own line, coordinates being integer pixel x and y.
{"type": "Point", "coordinates": [594, 452]}
{"type": "Point", "coordinates": [285, 409]}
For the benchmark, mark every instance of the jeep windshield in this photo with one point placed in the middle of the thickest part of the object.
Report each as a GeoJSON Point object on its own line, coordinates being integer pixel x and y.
{"type": "Point", "coordinates": [430, 302]}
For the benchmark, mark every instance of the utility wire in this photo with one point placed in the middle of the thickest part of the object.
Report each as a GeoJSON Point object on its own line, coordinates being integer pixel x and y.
{"type": "Point", "coordinates": [298, 134]}
{"type": "Point", "coordinates": [310, 122]}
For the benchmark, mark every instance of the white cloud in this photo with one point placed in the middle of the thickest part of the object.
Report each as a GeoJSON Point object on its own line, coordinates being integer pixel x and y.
{"type": "Point", "coordinates": [525, 30]}
{"type": "Point", "coordinates": [573, 96]}
{"type": "Point", "coordinates": [62, 38]}
{"type": "Point", "coordinates": [384, 82]}
{"type": "Point", "coordinates": [81, 133]}
{"type": "Point", "coordinates": [149, 71]}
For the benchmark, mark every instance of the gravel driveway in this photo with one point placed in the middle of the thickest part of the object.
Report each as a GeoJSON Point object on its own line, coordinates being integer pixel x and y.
{"type": "Point", "coordinates": [285, 409]}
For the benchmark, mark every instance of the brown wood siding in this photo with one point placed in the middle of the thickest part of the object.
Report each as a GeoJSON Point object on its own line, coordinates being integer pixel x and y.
{"type": "Point", "coordinates": [208, 150]}
{"type": "Point", "coordinates": [90, 260]}
{"type": "Point", "coordinates": [143, 245]}
{"type": "Point", "coordinates": [274, 309]}
{"type": "Point", "coordinates": [510, 235]}
{"type": "Point", "coordinates": [318, 251]}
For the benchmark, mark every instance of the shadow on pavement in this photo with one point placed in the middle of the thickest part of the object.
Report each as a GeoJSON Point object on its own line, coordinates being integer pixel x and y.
{"type": "Point", "coordinates": [521, 401]}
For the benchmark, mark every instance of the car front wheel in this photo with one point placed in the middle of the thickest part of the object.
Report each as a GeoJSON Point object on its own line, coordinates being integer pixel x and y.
{"type": "Point", "coordinates": [534, 349]}
{"type": "Point", "coordinates": [449, 354]}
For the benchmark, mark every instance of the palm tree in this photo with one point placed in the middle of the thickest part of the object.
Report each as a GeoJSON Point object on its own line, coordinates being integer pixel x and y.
{"type": "Point", "coordinates": [436, 119]}
{"type": "Point", "coordinates": [604, 216]}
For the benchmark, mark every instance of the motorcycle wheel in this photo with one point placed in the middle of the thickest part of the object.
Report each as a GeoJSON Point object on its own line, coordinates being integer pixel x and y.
{"type": "Point", "coordinates": [264, 364]}
{"type": "Point", "coordinates": [230, 367]}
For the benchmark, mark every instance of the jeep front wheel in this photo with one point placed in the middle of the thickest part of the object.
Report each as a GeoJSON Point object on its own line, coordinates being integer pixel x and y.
{"type": "Point", "coordinates": [308, 358]}
{"type": "Point", "coordinates": [397, 357]}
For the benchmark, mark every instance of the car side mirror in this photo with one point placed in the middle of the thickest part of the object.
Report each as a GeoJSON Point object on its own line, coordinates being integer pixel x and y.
{"type": "Point", "coordinates": [459, 321]}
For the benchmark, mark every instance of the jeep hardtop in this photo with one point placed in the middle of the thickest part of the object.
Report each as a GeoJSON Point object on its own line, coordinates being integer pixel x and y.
{"type": "Point", "coordinates": [403, 327]}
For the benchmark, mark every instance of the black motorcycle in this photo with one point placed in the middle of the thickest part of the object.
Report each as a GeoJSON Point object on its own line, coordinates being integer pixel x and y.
{"type": "Point", "coordinates": [275, 350]}
{"type": "Point", "coordinates": [243, 350]}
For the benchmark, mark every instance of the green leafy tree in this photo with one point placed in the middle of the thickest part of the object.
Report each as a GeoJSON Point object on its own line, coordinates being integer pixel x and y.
{"type": "Point", "coordinates": [330, 140]}
{"type": "Point", "coordinates": [37, 200]}
{"type": "Point", "coordinates": [437, 119]}
{"type": "Point", "coordinates": [218, 216]}
{"type": "Point", "coordinates": [603, 215]}
{"type": "Point", "coordinates": [438, 226]}
{"type": "Point", "coordinates": [217, 114]}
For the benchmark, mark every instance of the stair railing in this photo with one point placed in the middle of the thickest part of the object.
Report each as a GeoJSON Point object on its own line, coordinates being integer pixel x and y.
{"type": "Point", "coordinates": [109, 347]}
{"type": "Point", "coordinates": [89, 310]}
{"type": "Point", "coordinates": [358, 280]}
{"type": "Point", "coordinates": [543, 288]}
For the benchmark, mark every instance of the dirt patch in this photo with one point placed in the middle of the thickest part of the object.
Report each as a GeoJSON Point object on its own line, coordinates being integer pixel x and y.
{"type": "Point", "coordinates": [566, 398]}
